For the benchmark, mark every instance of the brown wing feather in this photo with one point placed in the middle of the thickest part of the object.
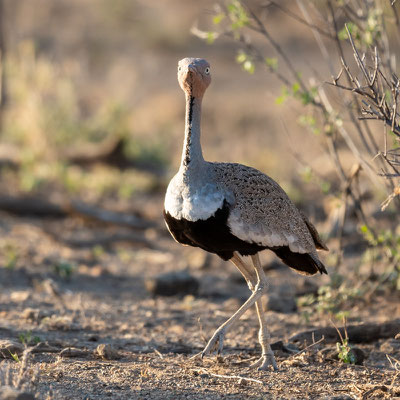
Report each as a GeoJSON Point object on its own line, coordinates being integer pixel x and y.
{"type": "Point", "coordinates": [319, 244]}
{"type": "Point", "coordinates": [305, 264]}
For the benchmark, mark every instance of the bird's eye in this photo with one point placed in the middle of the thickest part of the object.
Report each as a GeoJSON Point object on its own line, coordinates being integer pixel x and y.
{"type": "Point", "coordinates": [179, 68]}
{"type": "Point", "coordinates": [207, 70]}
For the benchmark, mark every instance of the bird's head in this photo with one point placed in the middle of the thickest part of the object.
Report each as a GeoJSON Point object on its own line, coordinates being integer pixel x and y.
{"type": "Point", "coordinates": [194, 76]}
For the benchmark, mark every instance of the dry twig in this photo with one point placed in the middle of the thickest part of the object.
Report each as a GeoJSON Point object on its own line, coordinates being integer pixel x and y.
{"type": "Point", "coordinates": [236, 377]}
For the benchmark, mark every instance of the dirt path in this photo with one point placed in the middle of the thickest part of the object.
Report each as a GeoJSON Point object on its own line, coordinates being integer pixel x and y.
{"type": "Point", "coordinates": [80, 299]}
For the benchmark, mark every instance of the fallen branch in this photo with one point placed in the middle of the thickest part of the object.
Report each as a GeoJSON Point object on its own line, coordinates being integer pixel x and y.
{"type": "Point", "coordinates": [237, 377]}
{"type": "Point", "coordinates": [44, 347]}
{"type": "Point", "coordinates": [105, 240]}
{"type": "Point", "coordinates": [112, 217]}
{"type": "Point", "coordinates": [31, 206]}
{"type": "Point", "coordinates": [307, 347]}
{"type": "Point", "coordinates": [109, 151]}
{"type": "Point", "coordinates": [365, 333]}
{"type": "Point", "coordinates": [40, 207]}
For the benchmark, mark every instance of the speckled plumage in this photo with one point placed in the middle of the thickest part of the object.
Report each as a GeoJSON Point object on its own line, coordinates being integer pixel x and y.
{"type": "Point", "coordinates": [262, 211]}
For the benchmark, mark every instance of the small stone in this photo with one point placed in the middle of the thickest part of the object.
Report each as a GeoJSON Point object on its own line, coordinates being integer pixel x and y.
{"type": "Point", "coordinates": [282, 304]}
{"type": "Point", "coordinates": [107, 352]}
{"type": "Point", "coordinates": [8, 347]}
{"type": "Point", "coordinates": [173, 283]}
{"type": "Point", "coordinates": [19, 296]}
{"type": "Point", "coordinates": [358, 354]}
{"type": "Point", "coordinates": [9, 393]}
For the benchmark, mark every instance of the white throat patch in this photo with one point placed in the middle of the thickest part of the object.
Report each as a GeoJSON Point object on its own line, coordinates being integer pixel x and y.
{"type": "Point", "coordinates": [193, 204]}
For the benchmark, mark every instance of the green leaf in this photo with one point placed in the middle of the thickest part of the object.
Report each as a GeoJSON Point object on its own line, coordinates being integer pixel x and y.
{"type": "Point", "coordinates": [248, 66]}
{"type": "Point", "coordinates": [325, 187]}
{"type": "Point", "coordinates": [241, 57]}
{"type": "Point", "coordinates": [272, 63]}
{"type": "Point", "coordinates": [306, 98]}
{"type": "Point", "coordinates": [238, 15]}
{"type": "Point", "coordinates": [232, 7]}
{"type": "Point", "coordinates": [211, 36]}
{"type": "Point", "coordinates": [295, 87]}
{"type": "Point", "coordinates": [341, 315]}
{"type": "Point", "coordinates": [364, 229]}
{"type": "Point", "coordinates": [368, 38]}
{"type": "Point", "coordinates": [246, 61]}
{"type": "Point", "coordinates": [14, 356]}
{"type": "Point", "coordinates": [218, 18]}
{"type": "Point", "coordinates": [307, 174]}
{"type": "Point", "coordinates": [282, 98]}
{"type": "Point", "coordinates": [342, 35]}
{"type": "Point", "coordinates": [310, 122]}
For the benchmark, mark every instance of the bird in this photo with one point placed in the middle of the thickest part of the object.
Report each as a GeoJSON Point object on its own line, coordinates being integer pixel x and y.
{"type": "Point", "coordinates": [234, 211]}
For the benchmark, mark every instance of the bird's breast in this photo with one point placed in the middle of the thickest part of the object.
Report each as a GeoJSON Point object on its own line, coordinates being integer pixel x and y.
{"type": "Point", "coordinates": [193, 203]}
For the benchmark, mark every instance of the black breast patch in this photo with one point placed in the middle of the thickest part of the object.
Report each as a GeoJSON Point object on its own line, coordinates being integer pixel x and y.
{"type": "Point", "coordinates": [214, 236]}
{"type": "Point", "coordinates": [211, 234]}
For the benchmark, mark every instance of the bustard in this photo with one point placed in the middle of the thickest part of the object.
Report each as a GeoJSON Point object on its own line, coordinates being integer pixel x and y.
{"type": "Point", "coordinates": [234, 210]}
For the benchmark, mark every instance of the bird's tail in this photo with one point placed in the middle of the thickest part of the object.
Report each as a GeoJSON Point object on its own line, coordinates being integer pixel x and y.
{"type": "Point", "coordinates": [304, 263]}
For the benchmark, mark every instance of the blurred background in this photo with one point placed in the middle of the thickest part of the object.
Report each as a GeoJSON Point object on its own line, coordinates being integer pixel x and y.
{"type": "Point", "coordinates": [77, 74]}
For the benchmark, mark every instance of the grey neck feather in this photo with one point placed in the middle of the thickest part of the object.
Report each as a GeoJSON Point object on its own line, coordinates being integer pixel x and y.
{"type": "Point", "coordinates": [192, 155]}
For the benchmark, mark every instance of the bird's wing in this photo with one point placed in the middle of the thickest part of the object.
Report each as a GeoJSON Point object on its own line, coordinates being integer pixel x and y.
{"type": "Point", "coordinates": [319, 244]}
{"type": "Point", "coordinates": [262, 212]}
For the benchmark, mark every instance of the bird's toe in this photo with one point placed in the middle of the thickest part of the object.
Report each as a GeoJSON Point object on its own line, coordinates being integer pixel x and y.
{"type": "Point", "coordinates": [265, 363]}
{"type": "Point", "coordinates": [216, 342]}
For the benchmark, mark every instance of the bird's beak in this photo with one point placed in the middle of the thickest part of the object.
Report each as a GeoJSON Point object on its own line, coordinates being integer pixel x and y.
{"type": "Point", "coordinates": [191, 68]}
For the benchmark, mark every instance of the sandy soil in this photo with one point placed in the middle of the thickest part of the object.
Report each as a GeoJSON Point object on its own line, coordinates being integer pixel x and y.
{"type": "Point", "coordinates": [152, 339]}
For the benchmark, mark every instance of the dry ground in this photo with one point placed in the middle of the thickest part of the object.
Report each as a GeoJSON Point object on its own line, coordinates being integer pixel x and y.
{"type": "Point", "coordinates": [104, 301]}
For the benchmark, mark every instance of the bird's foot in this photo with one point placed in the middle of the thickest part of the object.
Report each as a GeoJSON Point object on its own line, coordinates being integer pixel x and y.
{"type": "Point", "coordinates": [216, 342]}
{"type": "Point", "coordinates": [265, 362]}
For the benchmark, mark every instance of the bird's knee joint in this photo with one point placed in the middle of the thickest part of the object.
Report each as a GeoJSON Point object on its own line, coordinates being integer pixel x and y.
{"type": "Point", "coordinates": [264, 336]}
{"type": "Point", "coordinates": [221, 332]}
{"type": "Point", "coordinates": [260, 287]}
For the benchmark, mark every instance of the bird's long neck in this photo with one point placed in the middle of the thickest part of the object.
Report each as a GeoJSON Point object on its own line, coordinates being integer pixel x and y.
{"type": "Point", "coordinates": [192, 155]}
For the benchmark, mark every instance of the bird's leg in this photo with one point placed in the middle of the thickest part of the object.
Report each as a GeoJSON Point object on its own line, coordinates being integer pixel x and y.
{"type": "Point", "coordinates": [258, 290]}
{"type": "Point", "coordinates": [267, 356]}
{"type": "Point", "coordinates": [245, 270]}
